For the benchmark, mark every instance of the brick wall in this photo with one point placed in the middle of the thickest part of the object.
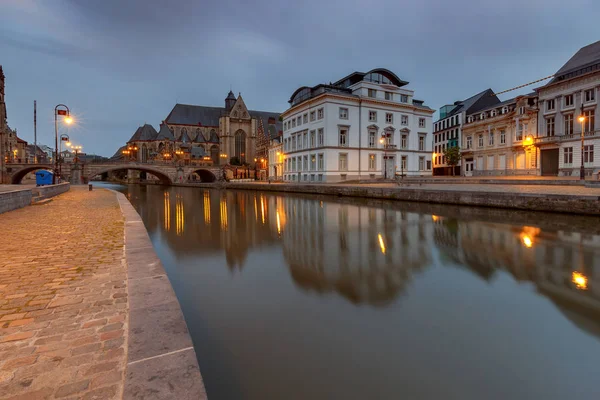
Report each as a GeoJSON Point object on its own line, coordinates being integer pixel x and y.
{"type": "Point", "coordinates": [16, 199]}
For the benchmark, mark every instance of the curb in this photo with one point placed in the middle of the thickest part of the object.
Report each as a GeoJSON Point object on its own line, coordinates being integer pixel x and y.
{"type": "Point", "coordinates": [161, 361]}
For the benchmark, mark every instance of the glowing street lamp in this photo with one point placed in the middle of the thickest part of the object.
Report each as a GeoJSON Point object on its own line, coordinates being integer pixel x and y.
{"type": "Point", "coordinates": [68, 120]}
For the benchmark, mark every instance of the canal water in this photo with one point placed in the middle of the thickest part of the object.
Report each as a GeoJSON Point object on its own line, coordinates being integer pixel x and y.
{"type": "Point", "coordinates": [299, 297]}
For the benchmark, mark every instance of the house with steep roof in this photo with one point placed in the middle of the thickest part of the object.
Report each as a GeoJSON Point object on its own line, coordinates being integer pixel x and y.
{"type": "Point", "coordinates": [447, 129]}
{"type": "Point", "coordinates": [572, 93]}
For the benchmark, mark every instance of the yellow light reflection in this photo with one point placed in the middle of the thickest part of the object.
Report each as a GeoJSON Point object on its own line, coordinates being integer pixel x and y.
{"type": "Point", "coordinates": [580, 280]}
{"type": "Point", "coordinates": [167, 202]}
{"type": "Point", "coordinates": [278, 223]}
{"type": "Point", "coordinates": [207, 207]}
{"type": "Point", "coordinates": [223, 206]}
{"type": "Point", "coordinates": [381, 244]}
{"type": "Point", "coordinates": [528, 235]}
{"type": "Point", "coordinates": [262, 208]}
{"type": "Point", "coordinates": [255, 209]}
{"type": "Point", "coordinates": [527, 241]}
{"type": "Point", "coordinates": [179, 216]}
{"type": "Point", "coordinates": [435, 218]}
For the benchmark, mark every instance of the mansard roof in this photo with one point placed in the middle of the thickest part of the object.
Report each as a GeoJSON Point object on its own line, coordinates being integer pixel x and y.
{"type": "Point", "coordinates": [587, 59]}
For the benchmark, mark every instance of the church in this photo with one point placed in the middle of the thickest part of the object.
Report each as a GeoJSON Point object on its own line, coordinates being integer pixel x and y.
{"type": "Point", "coordinates": [200, 134]}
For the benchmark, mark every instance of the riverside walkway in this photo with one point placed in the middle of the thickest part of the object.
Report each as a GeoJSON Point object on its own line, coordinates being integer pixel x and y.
{"type": "Point", "coordinates": [65, 306]}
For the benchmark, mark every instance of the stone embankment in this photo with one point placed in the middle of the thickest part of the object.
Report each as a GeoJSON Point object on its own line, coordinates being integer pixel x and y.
{"type": "Point", "coordinates": [15, 197]}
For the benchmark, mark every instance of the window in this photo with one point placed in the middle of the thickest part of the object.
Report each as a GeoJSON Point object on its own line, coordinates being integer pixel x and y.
{"type": "Point", "coordinates": [312, 139]}
{"type": "Point", "coordinates": [469, 142]}
{"type": "Point", "coordinates": [502, 136]}
{"type": "Point", "coordinates": [343, 161]}
{"type": "Point", "coordinates": [403, 98]}
{"type": "Point", "coordinates": [428, 165]}
{"type": "Point", "coordinates": [343, 113]}
{"type": "Point", "coordinates": [285, 126]}
{"type": "Point", "coordinates": [550, 126]}
{"type": "Point", "coordinates": [293, 142]}
{"type": "Point", "coordinates": [294, 164]}
{"type": "Point", "coordinates": [443, 136]}
{"type": "Point", "coordinates": [305, 145]}
{"type": "Point", "coordinates": [305, 118]}
{"type": "Point", "coordinates": [313, 162]}
{"type": "Point", "coordinates": [293, 122]}
{"type": "Point", "coordinates": [389, 118]}
{"type": "Point", "coordinates": [320, 136]}
{"type": "Point", "coordinates": [320, 177]}
{"type": "Point", "coordinates": [589, 95]}
{"type": "Point", "coordinates": [421, 163]}
{"type": "Point", "coordinates": [404, 120]}
{"type": "Point", "coordinates": [373, 116]}
{"type": "Point", "coordinates": [343, 142]}
{"type": "Point", "coordinates": [568, 124]}
{"type": "Point", "coordinates": [568, 155]}
{"type": "Point", "coordinates": [299, 120]}
{"type": "Point", "coordinates": [389, 96]}
{"type": "Point", "coordinates": [403, 162]}
{"type": "Point", "coordinates": [491, 139]}
{"type": "Point", "coordinates": [320, 113]}
{"type": "Point", "coordinates": [312, 116]}
{"type": "Point", "coordinates": [403, 140]}
{"type": "Point", "coordinates": [589, 122]}
{"type": "Point", "coordinates": [372, 162]}
{"type": "Point", "coordinates": [421, 143]}
{"type": "Point", "coordinates": [320, 162]}
{"type": "Point", "coordinates": [520, 131]}
{"type": "Point", "coordinates": [372, 93]}
{"type": "Point", "coordinates": [421, 122]}
{"type": "Point", "coordinates": [549, 105]}
{"type": "Point", "coordinates": [568, 100]}
{"type": "Point", "coordinates": [371, 139]}
{"type": "Point", "coordinates": [305, 164]}
{"type": "Point", "coordinates": [480, 140]}
{"type": "Point", "coordinates": [299, 141]}
{"type": "Point", "coordinates": [588, 153]}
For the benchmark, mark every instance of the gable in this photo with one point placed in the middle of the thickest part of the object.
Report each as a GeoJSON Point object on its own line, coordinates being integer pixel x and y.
{"type": "Point", "coordinates": [239, 109]}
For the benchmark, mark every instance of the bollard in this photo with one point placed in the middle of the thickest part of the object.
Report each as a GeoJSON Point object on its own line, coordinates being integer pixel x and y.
{"type": "Point", "coordinates": [90, 187]}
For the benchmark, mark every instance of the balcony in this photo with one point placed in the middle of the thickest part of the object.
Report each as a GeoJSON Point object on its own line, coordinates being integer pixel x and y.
{"type": "Point", "coordinates": [546, 140]}
{"type": "Point", "coordinates": [390, 147]}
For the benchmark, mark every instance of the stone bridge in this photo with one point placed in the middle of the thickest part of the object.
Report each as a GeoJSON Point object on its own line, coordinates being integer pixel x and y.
{"type": "Point", "coordinates": [166, 173]}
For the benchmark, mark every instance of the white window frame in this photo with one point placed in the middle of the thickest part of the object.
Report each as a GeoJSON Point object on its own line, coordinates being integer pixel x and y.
{"type": "Point", "coordinates": [569, 120]}
{"type": "Point", "coordinates": [421, 142]}
{"type": "Point", "coordinates": [491, 139]}
{"type": "Point", "coordinates": [502, 136]}
{"type": "Point", "coordinates": [422, 122]}
{"type": "Point", "coordinates": [313, 116]}
{"type": "Point", "coordinates": [320, 162]}
{"type": "Point", "coordinates": [588, 154]}
{"type": "Point", "coordinates": [469, 142]}
{"type": "Point", "coordinates": [343, 113]}
{"type": "Point", "coordinates": [404, 141]}
{"type": "Point", "coordinates": [550, 105]}
{"type": "Point", "coordinates": [320, 113]}
{"type": "Point", "coordinates": [372, 116]}
{"type": "Point", "coordinates": [404, 120]}
{"type": "Point", "coordinates": [372, 93]}
{"type": "Point", "coordinates": [343, 139]}
{"type": "Point", "coordinates": [403, 98]}
{"type": "Point", "coordinates": [372, 162]}
{"type": "Point", "coordinates": [568, 155]}
{"type": "Point", "coordinates": [320, 137]}
{"type": "Point", "coordinates": [550, 126]}
{"type": "Point", "coordinates": [372, 139]}
{"type": "Point", "coordinates": [589, 95]}
{"type": "Point", "coordinates": [389, 118]}
{"type": "Point", "coordinates": [567, 97]}
{"type": "Point", "coordinates": [343, 166]}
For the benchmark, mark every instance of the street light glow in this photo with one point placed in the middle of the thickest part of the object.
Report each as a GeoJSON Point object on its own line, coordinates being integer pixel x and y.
{"type": "Point", "coordinates": [580, 280]}
{"type": "Point", "coordinates": [68, 120]}
{"type": "Point", "coordinates": [581, 118]}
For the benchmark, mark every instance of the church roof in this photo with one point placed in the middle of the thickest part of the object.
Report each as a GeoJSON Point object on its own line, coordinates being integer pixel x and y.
{"type": "Point", "coordinates": [119, 154]}
{"type": "Point", "coordinates": [186, 114]}
{"type": "Point", "coordinates": [272, 130]}
{"type": "Point", "coordinates": [231, 96]}
{"type": "Point", "coordinates": [165, 133]}
{"type": "Point", "coordinates": [146, 132]}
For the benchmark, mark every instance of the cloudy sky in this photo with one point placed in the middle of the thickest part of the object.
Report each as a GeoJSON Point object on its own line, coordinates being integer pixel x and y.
{"type": "Point", "coordinates": [120, 63]}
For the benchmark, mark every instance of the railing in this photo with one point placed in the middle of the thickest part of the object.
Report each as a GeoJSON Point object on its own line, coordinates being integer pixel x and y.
{"type": "Point", "coordinates": [558, 138]}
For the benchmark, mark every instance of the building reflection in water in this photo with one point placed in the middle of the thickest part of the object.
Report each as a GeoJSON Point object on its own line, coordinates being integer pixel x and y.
{"type": "Point", "coordinates": [370, 254]}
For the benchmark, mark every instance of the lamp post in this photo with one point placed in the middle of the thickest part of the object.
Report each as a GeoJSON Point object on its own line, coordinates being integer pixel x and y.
{"type": "Point", "coordinates": [582, 120]}
{"type": "Point", "coordinates": [384, 164]}
{"type": "Point", "coordinates": [76, 150]}
{"type": "Point", "coordinates": [64, 137]}
{"type": "Point", "coordinates": [67, 114]}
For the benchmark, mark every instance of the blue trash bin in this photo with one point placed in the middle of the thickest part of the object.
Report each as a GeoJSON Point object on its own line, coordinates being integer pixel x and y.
{"type": "Point", "coordinates": [43, 178]}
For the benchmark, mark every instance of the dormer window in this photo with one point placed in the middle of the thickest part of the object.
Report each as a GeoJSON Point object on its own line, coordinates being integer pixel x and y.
{"type": "Point", "coordinates": [470, 119]}
{"type": "Point", "coordinates": [482, 116]}
{"type": "Point", "coordinates": [493, 114]}
{"type": "Point", "coordinates": [504, 110]}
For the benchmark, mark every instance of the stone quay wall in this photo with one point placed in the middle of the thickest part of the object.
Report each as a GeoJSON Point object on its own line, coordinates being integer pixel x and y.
{"type": "Point", "coordinates": [45, 192]}
{"type": "Point", "coordinates": [563, 203]}
{"type": "Point", "coordinates": [14, 199]}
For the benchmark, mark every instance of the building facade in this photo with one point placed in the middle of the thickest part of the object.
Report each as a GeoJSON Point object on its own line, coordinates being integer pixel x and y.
{"type": "Point", "coordinates": [499, 140]}
{"type": "Point", "coordinates": [447, 130]}
{"type": "Point", "coordinates": [572, 93]}
{"type": "Point", "coordinates": [275, 161]}
{"type": "Point", "coordinates": [364, 126]}
{"type": "Point", "coordinates": [207, 135]}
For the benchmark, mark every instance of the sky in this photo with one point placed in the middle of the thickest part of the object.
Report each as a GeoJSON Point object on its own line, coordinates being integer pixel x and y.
{"type": "Point", "coordinates": [121, 63]}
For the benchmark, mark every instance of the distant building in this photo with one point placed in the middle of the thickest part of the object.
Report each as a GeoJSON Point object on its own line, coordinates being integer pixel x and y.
{"type": "Point", "coordinates": [364, 126]}
{"type": "Point", "coordinates": [276, 158]}
{"type": "Point", "coordinates": [200, 134]}
{"type": "Point", "coordinates": [447, 130]}
{"type": "Point", "coordinates": [35, 151]}
{"type": "Point", "coordinates": [572, 92]}
{"type": "Point", "coordinates": [499, 139]}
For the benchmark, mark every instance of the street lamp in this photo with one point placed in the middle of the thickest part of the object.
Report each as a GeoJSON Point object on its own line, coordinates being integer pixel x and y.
{"type": "Point", "coordinates": [582, 120]}
{"type": "Point", "coordinates": [382, 141]}
{"type": "Point", "coordinates": [76, 150]}
{"type": "Point", "coordinates": [68, 120]}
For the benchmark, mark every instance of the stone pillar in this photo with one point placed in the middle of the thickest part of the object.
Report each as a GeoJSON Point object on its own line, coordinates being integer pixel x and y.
{"type": "Point", "coordinates": [75, 177]}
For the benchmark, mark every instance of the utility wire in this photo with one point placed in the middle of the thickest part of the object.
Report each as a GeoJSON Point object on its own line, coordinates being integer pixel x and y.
{"type": "Point", "coordinates": [527, 84]}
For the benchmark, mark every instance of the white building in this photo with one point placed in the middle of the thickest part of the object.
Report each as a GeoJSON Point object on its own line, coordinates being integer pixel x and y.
{"type": "Point", "coordinates": [447, 130]}
{"type": "Point", "coordinates": [364, 126]}
{"type": "Point", "coordinates": [276, 159]}
{"type": "Point", "coordinates": [573, 90]}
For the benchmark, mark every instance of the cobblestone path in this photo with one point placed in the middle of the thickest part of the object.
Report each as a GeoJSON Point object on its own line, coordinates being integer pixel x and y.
{"type": "Point", "coordinates": [63, 299]}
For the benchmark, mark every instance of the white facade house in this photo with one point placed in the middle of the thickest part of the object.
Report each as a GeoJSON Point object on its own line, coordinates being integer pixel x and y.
{"type": "Point", "coordinates": [276, 159]}
{"type": "Point", "coordinates": [365, 126]}
{"type": "Point", "coordinates": [572, 92]}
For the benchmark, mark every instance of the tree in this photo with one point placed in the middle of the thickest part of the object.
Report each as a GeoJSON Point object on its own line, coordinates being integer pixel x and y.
{"type": "Point", "coordinates": [235, 161]}
{"type": "Point", "coordinates": [452, 155]}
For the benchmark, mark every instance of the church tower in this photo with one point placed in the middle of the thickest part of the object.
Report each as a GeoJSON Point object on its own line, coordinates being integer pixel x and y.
{"type": "Point", "coordinates": [2, 104]}
{"type": "Point", "coordinates": [230, 101]}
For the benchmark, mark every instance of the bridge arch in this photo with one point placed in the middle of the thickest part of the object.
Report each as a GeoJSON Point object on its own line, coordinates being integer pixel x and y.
{"type": "Point", "coordinates": [164, 178]}
{"type": "Point", "coordinates": [18, 176]}
{"type": "Point", "coordinates": [205, 175]}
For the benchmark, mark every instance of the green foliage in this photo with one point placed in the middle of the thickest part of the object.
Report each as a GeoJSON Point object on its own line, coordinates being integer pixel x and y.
{"type": "Point", "coordinates": [452, 155]}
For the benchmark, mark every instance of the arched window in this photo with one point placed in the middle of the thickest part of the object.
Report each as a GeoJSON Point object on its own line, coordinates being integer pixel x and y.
{"type": "Point", "coordinates": [240, 145]}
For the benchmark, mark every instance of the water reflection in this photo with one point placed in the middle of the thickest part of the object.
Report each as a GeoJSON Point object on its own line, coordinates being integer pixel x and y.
{"type": "Point", "coordinates": [369, 299]}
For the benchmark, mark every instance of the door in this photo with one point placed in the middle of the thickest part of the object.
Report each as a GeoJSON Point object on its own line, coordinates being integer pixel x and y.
{"type": "Point", "coordinates": [520, 161]}
{"type": "Point", "coordinates": [389, 168]}
{"type": "Point", "coordinates": [469, 167]}
{"type": "Point", "coordinates": [549, 162]}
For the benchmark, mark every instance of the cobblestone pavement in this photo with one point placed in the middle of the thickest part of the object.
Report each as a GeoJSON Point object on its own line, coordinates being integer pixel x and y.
{"type": "Point", "coordinates": [63, 299]}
